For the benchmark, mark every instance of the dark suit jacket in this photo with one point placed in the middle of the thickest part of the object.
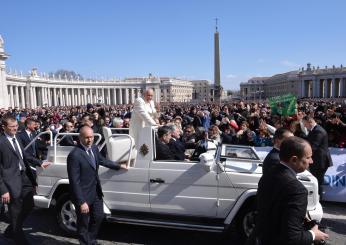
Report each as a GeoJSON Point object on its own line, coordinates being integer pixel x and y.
{"type": "Point", "coordinates": [85, 184]}
{"type": "Point", "coordinates": [163, 151]}
{"type": "Point", "coordinates": [271, 159]}
{"type": "Point", "coordinates": [177, 148]}
{"type": "Point", "coordinates": [318, 139]}
{"type": "Point", "coordinates": [24, 139]}
{"type": "Point", "coordinates": [10, 177]}
{"type": "Point", "coordinates": [281, 204]}
{"type": "Point", "coordinates": [67, 140]}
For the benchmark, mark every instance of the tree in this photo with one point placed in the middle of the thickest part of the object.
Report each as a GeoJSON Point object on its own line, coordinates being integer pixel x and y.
{"type": "Point", "coordinates": [66, 74]}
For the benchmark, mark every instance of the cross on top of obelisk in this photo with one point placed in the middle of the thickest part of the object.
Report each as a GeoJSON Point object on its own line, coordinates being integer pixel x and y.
{"type": "Point", "coordinates": [216, 19]}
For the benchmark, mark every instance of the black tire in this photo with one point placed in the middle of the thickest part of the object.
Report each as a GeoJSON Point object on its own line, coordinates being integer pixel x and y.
{"type": "Point", "coordinates": [246, 220]}
{"type": "Point", "coordinates": [66, 215]}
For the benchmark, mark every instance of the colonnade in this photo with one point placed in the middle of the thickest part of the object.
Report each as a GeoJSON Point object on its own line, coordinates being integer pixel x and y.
{"type": "Point", "coordinates": [324, 88]}
{"type": "Point", "coordinates": [34, 96]}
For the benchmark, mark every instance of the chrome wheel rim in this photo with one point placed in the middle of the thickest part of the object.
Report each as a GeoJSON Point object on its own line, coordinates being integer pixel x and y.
{"type": "Point", "coordinates": [68, 216]}
{"type": "Point", "coordinates": [249, 222]}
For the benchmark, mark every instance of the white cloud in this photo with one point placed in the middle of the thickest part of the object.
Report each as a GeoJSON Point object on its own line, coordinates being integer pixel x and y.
{"type": "Point", "coordinates": [231, 76]}
{"type": "Point", "coordinates": [289, 63]}
{"type": "Point", "coordinates": [187, 77]}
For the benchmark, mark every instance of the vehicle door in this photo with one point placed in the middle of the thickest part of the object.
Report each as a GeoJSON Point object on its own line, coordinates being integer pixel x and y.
{"type": "Point", "coordinates": [241, 171]}
{"type": "Point", "coordinates": [125, 190]}
{"type": "Point", "coordinates": [183, 188]}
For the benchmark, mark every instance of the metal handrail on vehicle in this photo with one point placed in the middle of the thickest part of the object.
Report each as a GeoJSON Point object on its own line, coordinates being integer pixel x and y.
{"type": "Point", "coordinates": [127, 136]}
{"type": "Point", "coordinates": [72, 134]}
{"type": "Point", "coordinates": [34, 140]}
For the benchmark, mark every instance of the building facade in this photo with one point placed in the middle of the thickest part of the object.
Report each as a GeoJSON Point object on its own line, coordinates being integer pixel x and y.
{"type": "Point", "coordinates": [37, 90]}
{"type": "Point", "coordinates": [175, 90]}
{"type": "Point", "coordinates": [253, 89]}
{"type": "Point", "coordinates": [203, 91]}
{"type": "Point", "coordinates": [305, 83]}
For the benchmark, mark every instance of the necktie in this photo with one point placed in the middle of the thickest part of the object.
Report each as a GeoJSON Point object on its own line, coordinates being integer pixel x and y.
{"type": "Point", "coordinates": [21, 162]}
{"type": "Point", "coordinates": [92, 158]}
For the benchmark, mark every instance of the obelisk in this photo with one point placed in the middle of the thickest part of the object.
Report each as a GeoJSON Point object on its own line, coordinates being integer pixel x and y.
{"type": "Point", "coordinates": [217, 82]}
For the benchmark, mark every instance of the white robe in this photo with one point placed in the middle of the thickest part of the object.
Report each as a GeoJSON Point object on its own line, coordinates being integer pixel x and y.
{"type": "Point", "coordinates": [143, 115]}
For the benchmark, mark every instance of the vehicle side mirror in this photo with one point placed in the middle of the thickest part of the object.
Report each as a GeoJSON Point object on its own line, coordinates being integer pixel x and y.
{"type": "Point", "coordinates": [223, 159]}
{"type": "Point", "coordinates": [207, 160]}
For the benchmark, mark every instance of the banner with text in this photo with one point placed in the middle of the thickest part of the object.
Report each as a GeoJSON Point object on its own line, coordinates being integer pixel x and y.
{"type": "Point", "coordinates": [284, 105]}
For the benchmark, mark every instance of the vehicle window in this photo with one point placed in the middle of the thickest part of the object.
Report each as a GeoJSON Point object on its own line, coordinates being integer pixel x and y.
{"type": "Point", "coordinates": [238, 152]}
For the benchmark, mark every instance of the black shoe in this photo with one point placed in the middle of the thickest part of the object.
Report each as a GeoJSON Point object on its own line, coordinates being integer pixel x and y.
{"type": "Point", "coordinates": [8, 233]}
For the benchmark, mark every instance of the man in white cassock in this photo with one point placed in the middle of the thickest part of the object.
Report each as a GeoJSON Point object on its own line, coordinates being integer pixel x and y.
{"type": "Point", "coordinates": [143, 115]}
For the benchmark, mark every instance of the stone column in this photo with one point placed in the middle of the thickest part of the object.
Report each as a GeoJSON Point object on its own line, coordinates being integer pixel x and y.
{"type": "Point", "coordinates": [325, 88]}
{"type": "Point", "coordinates": [97, 94]}
{"type": "Point", "coordinates": [126, 95]}
{"type": "Point", "coordinates": [315, 87]}
{"type": "Point", "coordinates": [79, 99]}
{"type": "Point", "coordinates": [66, 97]}
{"type": "Point", "coordinates": [49, 96]}
{"type": "Point", "coordinates": [108, 96]}
{"type": "Point", "coordinates": [41, 89]}
{"type": "Point", "coordinates": [103, 95]}
{"type": "Point", "coordinates": [137, 93]}
{"type": "Point", "coordinates": [17, 96]}
{"type": "Point", "coordinates": [10, 88]}
{"type": "Point", "coordinates": [23, 96]}
{"type": "Point", "coordinates": [55, 102]}
{"type": "Point", "coordinates": [121, 96]}
{"type": "Point", "coordinates": [332, 92]}
{"type": "Point", "coordinates": [60, 97]}
{"type": "Point", "coordinates": [133, 95]}
{"type": "Point", "coordinates": [85, 96]}
{"type": "Point", "coordinates": [44, 95]}
{"type": "Point", "coordinates": [73, 97]}
{"type": "Point", "coordinates": [32, 99]}
{"type": "Point", "coordinates": [342, 88]}
{"type": "Point", "coordinates": [115, 96]}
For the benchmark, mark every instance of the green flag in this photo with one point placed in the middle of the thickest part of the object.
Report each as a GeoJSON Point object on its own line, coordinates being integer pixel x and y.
{"type": "Point", "coordinates": [284, 105]}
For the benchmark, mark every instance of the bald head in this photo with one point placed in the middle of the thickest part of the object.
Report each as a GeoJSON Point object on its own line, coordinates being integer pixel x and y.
{"type": "Point", "coordinates": [86, 136]}
{"type": "Point", "coordinates": [148, 94]}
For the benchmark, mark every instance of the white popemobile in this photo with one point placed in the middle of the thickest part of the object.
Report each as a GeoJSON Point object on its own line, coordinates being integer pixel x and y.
{"type": "Point", "coordinates": [212, 194]}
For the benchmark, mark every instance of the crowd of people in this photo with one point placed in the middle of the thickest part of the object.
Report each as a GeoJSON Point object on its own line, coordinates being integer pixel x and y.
{"type": "Point", "coordinates": [233, 122]}
{"type": "Point", "coordinates": [316, 125]}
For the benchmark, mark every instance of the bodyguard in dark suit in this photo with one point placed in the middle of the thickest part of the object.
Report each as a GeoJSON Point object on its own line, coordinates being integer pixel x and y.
{"type": "Point", "coordinates": [16, 180]}
{"type": "Point", "coordinates": [86, 192]}
{"type": "Point", "coordinates": [27, 135]}
{"type": "Point", "coordinates": [282, 199]}
{"type": "Point", "coordinates": [318, 139]}
{"type": "Point", "coordinates": [163, 152]}
{"type": "Point", "coordinates": [273, 156]}
{"type": "Point", "coordinates": [67, 140]}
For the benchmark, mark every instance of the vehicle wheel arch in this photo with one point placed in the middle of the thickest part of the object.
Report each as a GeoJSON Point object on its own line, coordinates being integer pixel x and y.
{"type": "Point", "coordinates": [60, 190]}
{"type": "Point", "coordinates": [242, 215]}
{"type": "Point", "coordinates": [247, 197]}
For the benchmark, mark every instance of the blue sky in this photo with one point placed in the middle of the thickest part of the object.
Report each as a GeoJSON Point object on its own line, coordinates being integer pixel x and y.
{"type": "Point", "coordinates": [110, 38]}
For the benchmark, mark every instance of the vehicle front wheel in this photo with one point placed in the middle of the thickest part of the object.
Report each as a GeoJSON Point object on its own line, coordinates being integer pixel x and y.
{"type": "Point", "coordinates": [246, 220]}
{"type": "Point", "coordinates": [66, 214]}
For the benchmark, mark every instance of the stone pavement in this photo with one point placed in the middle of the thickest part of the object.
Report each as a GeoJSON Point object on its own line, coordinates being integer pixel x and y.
{"type": "Point", "coordinates": [41, 228]}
